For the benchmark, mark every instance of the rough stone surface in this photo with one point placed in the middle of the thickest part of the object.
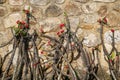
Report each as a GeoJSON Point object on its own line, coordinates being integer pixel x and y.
{"type": "Point", "coordinates": [91, 18]}
{"type": "Point", "coordinates": [53, 11]}
{"type": "Point", "coordinates": [82, 1]}
{"type": "Point", "coordinates": [74, 22]}
{"type": "Point", "coordinates": [91, 40]}
{"type": "Point", "coordinates": [72, 9]}
{"type": "Point", "coordinates": [102, 10]}
{"type": "Point", "coordinates": [50, 24]}
{"type": "Point", "coordinates": [60, 1]}
{"type": "Point", "coordinates": [105, 0]}
{"type": "Point", "coordinates": [108, 36]}
{"type": "Point", "coordinates": [86, 26]}
{"type": "Point", "coordinates": [113, 19]}
{"type": "Point", "coordinates": [1, 25]}
{"type": "Point", "coordinates": [2, 11]}
{"type": "Point", "coordinates": [90, 7]}
{"type": "Point", "coordinates": [15, 2]}
{"type": "Point", "coordinates": [15, 8]}
{"type": "Point", "coordinates": [39, 2]}
{"type": "Point", "coordinates": [37, 12]}
{"type": "Point", "coordinates": [10, 21]}
{"type": "Point", "coordinates": [117, 7]}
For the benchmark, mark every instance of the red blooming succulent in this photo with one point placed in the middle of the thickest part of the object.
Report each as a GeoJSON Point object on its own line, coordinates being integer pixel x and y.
{"type": "Point", "coordinates": [99, 20]}
{"type": "Point", "coordinates": [112, 30]}
{"type": "Point", "coordinates": [23, 22]}
{"type": "Point", "coordinates": [18, 21]}
{"type": "Point", "coordinates": [61, 31]}
{"type": "Point", "coordinates": [110, 60]}
{"type": "Point", "coordinates": [58, 33]}
{"type": "Point", "coordinates": [105, 20]}
{"type": "Point", "coordinates": [62, 25]}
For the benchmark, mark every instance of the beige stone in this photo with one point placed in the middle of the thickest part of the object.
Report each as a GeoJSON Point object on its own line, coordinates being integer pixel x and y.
{"type": "Point", "coordinates": [72, 9]}
{"type": "Point", "coordinates": [10, 20]}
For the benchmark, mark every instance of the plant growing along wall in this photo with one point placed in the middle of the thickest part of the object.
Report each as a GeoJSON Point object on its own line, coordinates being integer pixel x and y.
{"type": "Point", "coordinates": [58, 63]}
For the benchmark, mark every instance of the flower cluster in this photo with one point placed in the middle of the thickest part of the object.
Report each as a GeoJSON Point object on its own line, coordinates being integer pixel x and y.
{"type": "Point", "coordinates": [61, 29]}
{"type": "Point", "coordinates": [103, 21]}
{"type": "Point", "coordinates": [22, 24]}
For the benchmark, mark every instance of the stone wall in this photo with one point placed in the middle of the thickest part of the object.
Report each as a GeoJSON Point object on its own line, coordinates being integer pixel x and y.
{"type": "Point", "coordinates": [49, 14]}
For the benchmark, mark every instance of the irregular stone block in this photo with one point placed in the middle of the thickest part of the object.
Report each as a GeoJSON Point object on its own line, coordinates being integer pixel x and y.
{"type": "Point", "coordinates": [90, 7]}
{"type": "Point", "coordinates": [91, 18]}
{"type": "Point", "coordinates": [53, 11]}
{"type": "Point", "coordinates": [102, 10]}
{"type": "Point", "coordinates": [108, 37]}
{"type": "Point", "coordinates": [113, 19]}
{"type": "Point", "coordinates": [50, 24]}
{"type": "Point", "coordinates": [39, 2]}
{"type": "Point", "coordinates": [72, 9]}
{"type": "Point", "coordinates": [105, 0]}
{"type": "Point", "coordinates": [82, 1]}
{"type": "Point", "coordinates": [10, 20]}
{"type": "Point", "coordinates": [60, 1]}
{"type": "Point", "coordinates": [91, 40]}
{"type": "Point", "coordinates": [16, 2]}
{"type": "Point", "coordinates": [3, 11]}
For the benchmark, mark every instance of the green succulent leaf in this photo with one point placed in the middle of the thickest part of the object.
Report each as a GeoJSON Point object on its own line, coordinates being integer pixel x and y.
{"type": "Point", "coordinates": [113, 55]}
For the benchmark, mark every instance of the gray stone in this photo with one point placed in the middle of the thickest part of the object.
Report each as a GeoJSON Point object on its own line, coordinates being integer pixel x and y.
{"type": "Point", "coordinates": [74, 22]}
{"type": "Point", "coordinates": [10, 20]}
{"type": "Point", "coordinates": [50, 24]}
{"type": "Point", "coordinates": [90, 7]}
{"type": "Point", "coordinates": [91, 40]}
{"type": "Point", "coordinates": [72, 9]}
{"type": "Point", "coordinates": [53, 11]}
{"type": "Point", "coordinates": [60, 1]}
{"type": "Point", "coordinates": [39, 2]}
{"type": "Point", "coordinates": [108, 37]}
{"type": "Point", "coordinates": [91, 18]}
{"type": "Point", "coordinates": [105, 0]}
{"type": "Point", "coordinates": [16, 2]}
{"type": "Point", "coordinates": [2, 11]}
{"type": "Point", "coordinates": [82, 1]}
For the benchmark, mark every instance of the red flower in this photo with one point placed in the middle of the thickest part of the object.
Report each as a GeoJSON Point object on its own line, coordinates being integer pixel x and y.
{"type": "Point", "coordinates": [61, 31]}
{"type": "Point", "coordinates": [18, 21]}
{"type": "Point", "coordinates": [110, 61]}
{"type": "Point", "coordinates": [112, 30]}
{"type": "Point", "coordinates": [58, 33]}
{"type": "Point", "coordinates": [23, 22]}
{"type": "Point", "coordinates": [41, 52]}
{"type": "Point", "coordinates": [105, 20]}
{"type": "Point", "coordinates": [62, 25]}
{"type": "Point", "coordinates": [99, 20]}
